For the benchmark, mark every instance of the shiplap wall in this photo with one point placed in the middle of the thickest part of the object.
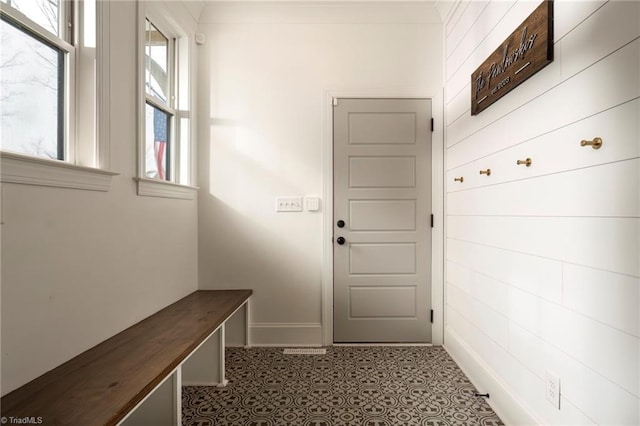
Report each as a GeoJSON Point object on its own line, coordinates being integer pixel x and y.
{"type": "Point", "coordinates": [542, 263]}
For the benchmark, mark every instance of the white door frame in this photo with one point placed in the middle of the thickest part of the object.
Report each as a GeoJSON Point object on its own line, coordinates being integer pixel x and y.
{"type": "Point", "coordinates": [437, 202]}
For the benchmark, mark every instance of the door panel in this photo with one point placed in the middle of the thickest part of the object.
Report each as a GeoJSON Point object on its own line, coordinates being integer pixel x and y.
{"type": "Point", "coordinates": [381, 215]}
{"type": "Point", "coordinates": [382, 128]}
{"type": "Point", "coordinates": [382, 191]}
{"type": "Point", "coordinates": [382, 258]}
{"type": "Point", "coordinates": [381, 302]}
{"type": "Point", "coordinates": [382, 172]}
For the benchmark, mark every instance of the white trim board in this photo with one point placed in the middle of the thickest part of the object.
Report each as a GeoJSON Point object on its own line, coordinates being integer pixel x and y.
{"type": "Point", "coordinates": [286, 334]}
{"type": "Point", "coordinates": [437, 202]}
{"type": "Point", "coordinates": [27, 170]}
{"type": "Point", "coordinates": [505, 404]}
{"type": "Point", "coordinates": [376, 345]}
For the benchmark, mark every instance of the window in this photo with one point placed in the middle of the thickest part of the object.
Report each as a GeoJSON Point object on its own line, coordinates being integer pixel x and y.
{"type": "Point", "coordinates": [50, 70]}
{"type": "Point", "coordinates": [34, 62]}
{"type": "Point", "coordinates": [159, 113]}
{"type": "Point", "coordinates": [165, 164]}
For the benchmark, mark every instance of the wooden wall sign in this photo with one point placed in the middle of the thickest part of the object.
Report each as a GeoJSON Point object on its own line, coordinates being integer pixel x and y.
{"type": "Point", "coordinates": [525, 52]}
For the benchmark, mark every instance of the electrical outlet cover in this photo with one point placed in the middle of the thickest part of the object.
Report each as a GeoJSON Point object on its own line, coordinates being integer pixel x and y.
{"type": "Point", "coordinates": [552, 388]}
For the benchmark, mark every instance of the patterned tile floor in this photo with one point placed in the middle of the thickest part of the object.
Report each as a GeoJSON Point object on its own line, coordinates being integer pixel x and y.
{"type": "Point", "coordinates": [347, 386]}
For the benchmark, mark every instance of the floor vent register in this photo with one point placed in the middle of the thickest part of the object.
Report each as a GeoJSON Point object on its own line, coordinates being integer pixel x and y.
{"type": "Point", "coordinates": [305, 351]}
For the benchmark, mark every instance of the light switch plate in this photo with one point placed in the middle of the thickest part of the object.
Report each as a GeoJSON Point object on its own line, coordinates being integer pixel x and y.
{"type": "Point", "coordinates": [288, 204]}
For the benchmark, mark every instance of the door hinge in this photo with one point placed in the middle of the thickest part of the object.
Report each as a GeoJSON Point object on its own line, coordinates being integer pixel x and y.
{"type": "Point", "coordinates": [431, 316]}
{"type": "Point", "coordinates": [432, 220]}
{"type": "Point", "coordinates": [432, 125]}
{"type": "Point", "coordinates": [334, 102]}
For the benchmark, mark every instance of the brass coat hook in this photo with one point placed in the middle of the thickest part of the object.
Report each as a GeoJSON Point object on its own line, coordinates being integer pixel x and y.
{"type": "Point", "coordinates": [596, 143]}
{"type": "Point", "coordinates": [486, 172]}
{"type": "Point", "coordinates": [526, 162]}
{"type": "Point", "coordinates": [459, 179]}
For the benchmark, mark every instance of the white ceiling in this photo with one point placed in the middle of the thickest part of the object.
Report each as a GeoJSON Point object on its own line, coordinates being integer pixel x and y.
{"type": "Point", "coordinates": [440, 8]}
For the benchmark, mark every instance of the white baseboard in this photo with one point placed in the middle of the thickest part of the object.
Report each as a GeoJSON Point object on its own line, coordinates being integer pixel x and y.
{"type": "Point", "coordinates": [384, 344]}
{"type": "Point", "coordinates": [506, 405]}
{"type": "Point", "coordinates": [286, 334]}
{"type": "Point", "coordinates": [196, 383]}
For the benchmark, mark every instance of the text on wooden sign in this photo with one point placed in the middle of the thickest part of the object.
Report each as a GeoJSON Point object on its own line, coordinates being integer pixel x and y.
{"type": "Point", "coordinates": [526, 51]}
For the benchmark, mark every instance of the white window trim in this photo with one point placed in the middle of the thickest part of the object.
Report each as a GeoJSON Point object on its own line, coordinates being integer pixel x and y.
{"type": "Point", "coordinates": [103, 85]}
{"type": "Point", "coordinates": [29, 170]}
{"type": "Point", "coordinates": [165, 189]}
{"type": "Point", "coordinates": [156, 13]}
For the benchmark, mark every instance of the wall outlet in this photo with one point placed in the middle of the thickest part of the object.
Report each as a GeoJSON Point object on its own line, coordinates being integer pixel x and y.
{"type": "Point", "coordinates": [288, 204]}
{"type": "Point", "coordinates": [552, 389]}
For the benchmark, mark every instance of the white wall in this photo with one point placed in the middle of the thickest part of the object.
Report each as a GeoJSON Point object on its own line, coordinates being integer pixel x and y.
{"type": "Point", "coordinates": [79, 266]}
{"type": "Point", "coordinates": [264, 73]}
{"type": "Point", "coordinates": [543, 262]}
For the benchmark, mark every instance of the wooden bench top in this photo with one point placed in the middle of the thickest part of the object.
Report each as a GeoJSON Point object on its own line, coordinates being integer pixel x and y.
{"type": "Point", "coordinates": [100, 386]}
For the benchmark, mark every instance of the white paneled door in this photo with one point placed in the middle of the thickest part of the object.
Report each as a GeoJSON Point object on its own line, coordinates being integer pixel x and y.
{"type": "Point", "coordinates": [382, 220]}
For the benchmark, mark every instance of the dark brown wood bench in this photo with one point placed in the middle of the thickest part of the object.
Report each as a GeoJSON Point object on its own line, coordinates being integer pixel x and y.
{"type": "Point", "coordinates": [108, 383]}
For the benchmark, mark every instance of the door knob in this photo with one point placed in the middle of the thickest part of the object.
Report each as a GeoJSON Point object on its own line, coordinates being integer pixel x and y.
{"type": "Point", "coordinates": [341, 224]}
{"type": "Point", "coordinates": [340, 240]}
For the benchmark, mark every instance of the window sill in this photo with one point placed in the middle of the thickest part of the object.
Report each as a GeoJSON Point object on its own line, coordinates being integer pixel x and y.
{"type": "Point", "coordinates": [22, 169]}
{"type": "Point", "coordinates": [164, 189]}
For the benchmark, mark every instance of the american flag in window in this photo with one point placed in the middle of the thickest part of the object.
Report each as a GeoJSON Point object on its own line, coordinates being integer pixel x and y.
{"type": "Point", "coordinates": [157, 143]}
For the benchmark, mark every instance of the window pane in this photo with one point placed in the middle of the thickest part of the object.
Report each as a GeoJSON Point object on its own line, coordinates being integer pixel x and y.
{"type": "Point", "coordinates": [156, 62]}
{"type": "Point", "coordinates": [31, 94]}
{"type": "Point", "coordinates": [45, 13]}
{"type": "Point", "coordinates": [157, 143]}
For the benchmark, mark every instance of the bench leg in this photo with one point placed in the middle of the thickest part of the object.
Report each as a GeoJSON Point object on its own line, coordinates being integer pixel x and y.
{"type": "Point", "coordinates": [200, 367]}
{"type": "Point", "coordinates": [221, 345]}
{"type": "Point", "coordinates": [247, 317]}
{"type": "Point", "coordinates": [205, 365]}
{"type": "Point", "coordinates": [177, 391]}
